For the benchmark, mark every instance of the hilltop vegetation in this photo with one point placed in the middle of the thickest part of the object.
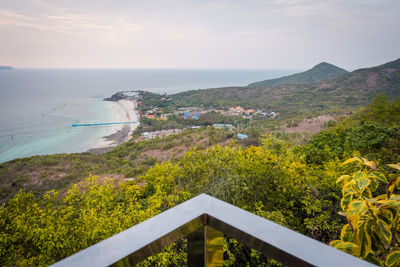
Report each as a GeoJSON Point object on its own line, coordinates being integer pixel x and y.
{"type": "Point", "coordinates": [345, 92]}
{"type": "Point", "coordinates": [40, 174]}
{"type": "Point", "coordinates": [58, 204]}
{"type": "Point", "coordinates": [294, 186]}
{"type": "Point", "coordinates": [321, 72]}
{"type": "Point", "coordinates": [372, 131]}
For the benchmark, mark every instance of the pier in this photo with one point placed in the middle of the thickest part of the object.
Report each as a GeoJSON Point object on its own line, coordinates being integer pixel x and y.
{"type": "Point", "coordinates": [101, 124]}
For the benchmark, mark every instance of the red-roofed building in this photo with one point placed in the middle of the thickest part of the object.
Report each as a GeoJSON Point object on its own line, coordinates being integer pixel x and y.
{"type": "Point", "coordinates": [238, 109]}
{"type": "Point", "coordinates": [249, 111]}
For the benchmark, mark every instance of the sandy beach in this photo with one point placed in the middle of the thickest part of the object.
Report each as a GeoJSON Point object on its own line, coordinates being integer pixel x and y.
{"type": "Point", "coordinates": [121, 111]}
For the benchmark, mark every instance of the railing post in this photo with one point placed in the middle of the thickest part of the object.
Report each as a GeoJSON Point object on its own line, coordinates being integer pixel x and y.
{"type": "Point", "coordinates": [205, 247]}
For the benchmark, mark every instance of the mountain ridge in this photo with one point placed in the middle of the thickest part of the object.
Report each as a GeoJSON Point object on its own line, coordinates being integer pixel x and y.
{"type": "Point", "coordinates": [349, 90]}
{"type": "Point", "coordinates": [320, 72]}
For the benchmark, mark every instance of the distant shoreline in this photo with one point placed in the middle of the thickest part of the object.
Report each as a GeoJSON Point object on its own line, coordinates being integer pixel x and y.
{"type": "Point", "coordinates": [124, 112]}
{"type": "Point", "coordinates": [6, 68]}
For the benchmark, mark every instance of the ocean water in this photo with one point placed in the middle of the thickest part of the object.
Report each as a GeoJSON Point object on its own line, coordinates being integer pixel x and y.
{"type": "Point", "coordinates": [38, 106]}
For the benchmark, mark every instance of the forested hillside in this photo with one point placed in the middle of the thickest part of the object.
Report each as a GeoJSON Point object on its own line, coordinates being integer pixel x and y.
{"type": "Point", "coordinates": [349, 90]}
{"type": "Point", "coordinates": [42, 173]}
{"type": "Point", "coordinates": [321, 72]}
{"type": "Point", "coordinates": [294, 186]}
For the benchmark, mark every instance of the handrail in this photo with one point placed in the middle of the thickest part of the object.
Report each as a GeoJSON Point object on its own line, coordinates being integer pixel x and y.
{"type": "Point", "coordinates": [147, 238]}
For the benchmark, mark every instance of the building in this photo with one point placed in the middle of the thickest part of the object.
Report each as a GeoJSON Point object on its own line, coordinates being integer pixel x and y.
{"type": "Point", "coordinates": [249, 111]}
{"type": "Point", "coordinates": [242, 136]}
{"type": "Point", "coordinates": [238, 109]}
{"type": "Point", "coordinates": [271, 114]}
{"type": "Point", "coordinates": [186, 115]}
{"type": "Point", "coordinates": [130, 94]}
{"type": "Point", "coordinates": [217, 125]}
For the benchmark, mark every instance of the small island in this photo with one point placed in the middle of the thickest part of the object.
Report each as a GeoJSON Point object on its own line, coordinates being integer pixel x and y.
{"type": "Point", "coordinates": [6, 68]}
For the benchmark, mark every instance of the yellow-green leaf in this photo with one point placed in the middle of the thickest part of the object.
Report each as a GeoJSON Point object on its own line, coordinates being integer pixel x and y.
{"type": "Point", "coordinates": [364, 241]}
{"type": "Point", "coordinates": [349, 188]}
{"type": "Point", "coordinates": [385, 233]}
{"type": "Point", "coordinates": [351, 160]}
{"type": "Point", "coordinates": [378, 177]}
{"type": "Point", "coordinates": [370, 164]}
{"type": "Point", "coordinates": [341, 213]}
{"type": "Point", "coordinates": [398, 183]}
{"type": "Point", "coordinates": [393, 258]}
{"type": "Point", "coordinates": [385, 215]}
{"type": "Point", "coordinates": [334, 243]}
{"type": "Point", "coordinates": [367, 193]}
{"type": "Point", "coordinates": [371, 258]}
{"type": "Point", "coordinates": [373, 185]}
{"type": "Point", "coordinates": [395, 197]}
{"type": "Point", "coordinates": [359, 175]}
{"type": "Point", "coordinates": [346, 246]}
{"type": "Point", "coordinates": [344, 178]}
{"type": "Point", "coordinates": [390, 187]}
{"type": "Point", "coordinates": [346, 234]}
{"type": "Point", "coordinates": [345, 201]}
{"type": "Point", "coordinates": [353, 221]}
{"type": "Point", "coordinates": [389, 202]}
{"type": "Point", "coordinates": [381, 197]}
{"type": "Point", "coordinates": [395, 166]}
{"type": "Point", "coordinates": [357, 207]}
{"type": "Point", "coordinates": [362, 183]}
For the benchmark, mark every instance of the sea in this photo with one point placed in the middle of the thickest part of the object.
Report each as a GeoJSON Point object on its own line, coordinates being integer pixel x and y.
{"type": "Point", "coordinates": [39, 106]}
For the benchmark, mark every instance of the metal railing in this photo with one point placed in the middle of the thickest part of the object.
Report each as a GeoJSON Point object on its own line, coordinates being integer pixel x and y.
{"type": "Point", "coordinates": [204, 220]}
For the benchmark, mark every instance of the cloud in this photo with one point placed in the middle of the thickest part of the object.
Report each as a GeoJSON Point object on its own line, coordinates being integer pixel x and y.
{"type": "Point", "coordinates": [192, 33]}
{"type": "Point", "coordinates": [59, 21]}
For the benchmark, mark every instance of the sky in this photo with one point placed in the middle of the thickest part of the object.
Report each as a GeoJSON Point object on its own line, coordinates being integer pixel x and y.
{"type": "Point", "coordinates": [220, 34]}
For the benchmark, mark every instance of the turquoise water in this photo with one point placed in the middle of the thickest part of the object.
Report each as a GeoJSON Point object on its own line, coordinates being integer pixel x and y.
{"type": "Point", "coordinates": [38, 106]}
{"type": "Point", "coordinates": [47, 129]}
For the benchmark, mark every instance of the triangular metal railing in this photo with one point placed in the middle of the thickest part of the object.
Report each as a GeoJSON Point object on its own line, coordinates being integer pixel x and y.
{"type": "Point", "coordinates": [204, 220]}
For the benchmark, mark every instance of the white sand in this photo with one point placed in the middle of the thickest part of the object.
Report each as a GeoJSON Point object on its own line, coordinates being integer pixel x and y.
{"type": "Point", "coordinates": [122, 111]}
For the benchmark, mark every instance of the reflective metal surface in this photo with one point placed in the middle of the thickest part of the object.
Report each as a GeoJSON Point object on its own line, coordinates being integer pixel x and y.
{"type": "Point", "coordinates": [197, 215]}
{"type": "Point", "coordinates": [205, 247]}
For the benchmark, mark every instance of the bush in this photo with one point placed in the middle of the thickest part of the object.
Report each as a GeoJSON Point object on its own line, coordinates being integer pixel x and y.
{"type": "Point", "coordinates": [372, 231]}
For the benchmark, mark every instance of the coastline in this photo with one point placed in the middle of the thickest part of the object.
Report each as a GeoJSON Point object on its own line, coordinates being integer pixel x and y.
{"type": "Point", "coordinates": [121, 111]}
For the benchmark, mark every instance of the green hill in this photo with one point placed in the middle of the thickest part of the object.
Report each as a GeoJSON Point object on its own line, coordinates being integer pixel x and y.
{"type": "Point", "coordinates": [321, 72]}
{"type": "Point", "coordinates": [349, 90]}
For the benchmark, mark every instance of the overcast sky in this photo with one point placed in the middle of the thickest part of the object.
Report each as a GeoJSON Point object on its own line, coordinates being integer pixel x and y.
{"type": "Point", "coordinates": [246, 34]}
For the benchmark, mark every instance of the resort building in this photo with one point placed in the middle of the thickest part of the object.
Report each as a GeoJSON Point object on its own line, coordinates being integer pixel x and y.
{"type": "Point", "coordinates": [238, 109]}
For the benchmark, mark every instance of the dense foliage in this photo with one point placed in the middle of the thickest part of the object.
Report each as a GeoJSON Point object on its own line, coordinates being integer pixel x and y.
{"type": "Point", "coordinates": [39, 231]}
{"type": "Point", "coordinates": [293, 186]}
{"type": "Point", "coordinates": [268, 180]}
{"type": "Point", "coordinates": [373, 131]}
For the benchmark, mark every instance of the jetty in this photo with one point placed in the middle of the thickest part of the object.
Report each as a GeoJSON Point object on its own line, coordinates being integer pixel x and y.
{"type": "Point", "coordinates": [102, 123]}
